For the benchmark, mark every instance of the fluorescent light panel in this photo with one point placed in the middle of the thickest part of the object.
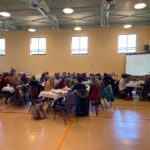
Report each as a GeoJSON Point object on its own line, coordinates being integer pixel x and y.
{"type": "Point", "coordinates": [68, 10]}
{"type": "Point", "coordinates": [5, 14]}
{"type": "Point", "coordinates": [31, 30]}
{"type": "Point", "coordinates": [77, 28]}
{"type": "Point", "coordinates": [127, 26]}
{"type": "Point", "coordinates": [139, 5]}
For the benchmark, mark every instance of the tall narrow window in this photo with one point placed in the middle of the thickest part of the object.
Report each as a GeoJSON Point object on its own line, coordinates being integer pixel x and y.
{"type": "Point", "coordinates": [127, 43]}
{"type": "Point", "coordinates": [38, 46]}
{"type": "Point", "coordinates": [2, 46]}
{"type": "Point", "coordinates": [79, 45]}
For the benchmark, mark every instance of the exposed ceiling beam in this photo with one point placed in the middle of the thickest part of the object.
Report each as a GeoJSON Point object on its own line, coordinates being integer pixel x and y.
{"type": "Point", "coordinates": [44, 9]}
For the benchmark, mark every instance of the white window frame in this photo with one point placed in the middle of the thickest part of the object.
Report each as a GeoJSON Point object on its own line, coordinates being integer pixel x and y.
{"type": "Point", "coordinates": [37, 51]}
{"type": "Point", "coordinates": [127, 48]}
{"type": "Point", "coordinates": [79, 50]}
{"type": "Point", "coordinates": [3, 51]}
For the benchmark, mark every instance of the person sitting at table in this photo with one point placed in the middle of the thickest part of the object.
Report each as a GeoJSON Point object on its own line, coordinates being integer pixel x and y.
{"type": "Point", "coordinates": [8, 94]}
{"type": "Point", "coordinates": [62, 83]}
{"type": "Point", "coordinates": [122, 87]}
{"type": "Point", "coordinates": [84, 77]}
{"type": "Point", "coordinates": [146, 88]}
{"type": "Point", "coordinates": [44, 77]}
{"type": "Point", "coordinates": [123, 91]}
{"type": "Point", "coordinates": [108, 80]}
{"type": "Point", "coordinates": [35, 84]}
{"type": "Point", "coordinates": [13, 78]}
{"type": "Point", "coordinates": [49, 84]}
{"type": "Point", "coordinates": [57, 79]}
{"type": "Point", "coordinates": [24, 78]}
{"type": "Point", "coordinates": [4, 81]}
{"type": "Point", "coordinates": [12, 71]}
{"type": "Point", "coordinates": [64, 74]}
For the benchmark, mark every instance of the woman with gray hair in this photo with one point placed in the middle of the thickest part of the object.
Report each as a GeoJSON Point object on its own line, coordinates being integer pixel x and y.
{"type": "Point", "coordinates": [95, 93]}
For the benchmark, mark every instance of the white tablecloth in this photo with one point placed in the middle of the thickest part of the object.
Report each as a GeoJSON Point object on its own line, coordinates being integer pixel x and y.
{"type": "Point", "coordinates": [54, 94]}
{"type": "Point", "coordinates": [133, 85]}
{"type": "Point", "coordinates": [87, 82]}
{"type": "Point", "coordinates": [8, 89]}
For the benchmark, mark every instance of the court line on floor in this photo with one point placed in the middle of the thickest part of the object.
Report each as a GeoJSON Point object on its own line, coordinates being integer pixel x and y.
{"type": "Point", "coordinates": [93, 116]}
{"type": "Point", "coordinates": [65, 135]}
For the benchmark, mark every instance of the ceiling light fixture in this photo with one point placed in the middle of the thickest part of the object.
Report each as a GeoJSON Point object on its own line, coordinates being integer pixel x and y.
{"type": "Point", "coordinates": [68, 10]}
{"type": "Point", "coordinates": [31, 30]}
{"type": "Point", "coordinates": [127, 26]}
{"type": "Point", "coordinates": [77, 28]}
{"type": "Point", "coordinates": [139, 5]}
{"type": "Point", "coordinates": [5, 14]}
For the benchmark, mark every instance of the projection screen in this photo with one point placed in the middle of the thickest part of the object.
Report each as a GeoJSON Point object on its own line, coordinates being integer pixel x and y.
{"type": "Point", "coordinates": [138, 64]}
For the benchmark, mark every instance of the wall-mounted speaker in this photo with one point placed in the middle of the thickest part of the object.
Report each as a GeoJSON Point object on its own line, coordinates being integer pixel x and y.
{"type": "Point", "coordinates": [146, 48]}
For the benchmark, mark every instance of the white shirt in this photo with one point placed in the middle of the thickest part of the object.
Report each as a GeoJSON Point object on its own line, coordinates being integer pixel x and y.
{"type": "Point", "coordinates": [121, 84]}
{"type": "Point", "coordinates": [56, 81]}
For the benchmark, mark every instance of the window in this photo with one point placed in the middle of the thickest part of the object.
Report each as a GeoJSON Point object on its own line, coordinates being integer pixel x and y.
{"type": "Point", "coordinates": [2, 46]}
{"type": "Point", "coordinates": [79, 45]}
{"type": "Point", "coordinates": [38, 46]}
{"type": "Point", "coordinates": [127, 43]}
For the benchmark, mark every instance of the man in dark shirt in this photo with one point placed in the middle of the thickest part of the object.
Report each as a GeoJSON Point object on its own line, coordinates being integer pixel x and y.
{"type": "Point", "coordinates": [108, 80]}
{"type": "Point", "coordinates": [82, 103]}
{"type": "Point", "coordinates": [35, 84]}
{"type": "Point", "coordinates": [79, 87]}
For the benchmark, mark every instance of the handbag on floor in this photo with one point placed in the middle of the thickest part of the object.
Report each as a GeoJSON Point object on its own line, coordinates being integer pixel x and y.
{"type": "Point", "coordinates": [37, 111]}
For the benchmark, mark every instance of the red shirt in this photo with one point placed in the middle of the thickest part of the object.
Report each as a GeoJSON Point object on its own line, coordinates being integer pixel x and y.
{"type": "Point", "coordinates": [95, 92]}
{"type": "Point", "coordinates": [3, 83]}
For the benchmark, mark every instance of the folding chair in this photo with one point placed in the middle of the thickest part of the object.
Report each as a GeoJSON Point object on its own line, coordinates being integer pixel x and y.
{"type": "Point", "coordinates": [19, 97]}
{"type": "Point", "coordinates": [67, 107]}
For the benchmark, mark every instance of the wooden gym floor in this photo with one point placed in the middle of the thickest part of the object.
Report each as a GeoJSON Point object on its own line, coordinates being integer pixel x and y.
{"type": "Point", "coordinates": [125, 126]}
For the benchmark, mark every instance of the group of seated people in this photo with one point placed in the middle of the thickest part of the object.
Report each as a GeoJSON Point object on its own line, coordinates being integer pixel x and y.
{"type": "Point", "coordinates": [59, 81]}
{"type": "Point", "coordinates": [89, 89]}
{"type": "Point", "coordinates": [129, 86]}
{"type": "Point", "coordinates": [74, 81]}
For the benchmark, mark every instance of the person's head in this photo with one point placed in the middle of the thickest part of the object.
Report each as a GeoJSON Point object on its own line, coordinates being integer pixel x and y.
{"type": "Point", "coordinates": [84, 74]}
{"type": "Point", "coordinates": [12, 72]}
{"type": "Point", "coordinates": [98, 76]}
{"type": "Point", "coordinates": [51, 78]}
{"type": "Point", "coordinates": [64, 74]}
{"type": "Point", "coordinates": [147, 78]}
{"type": "Point", "coordinates": [47, 73]}
{"type": "Point", "coordinates": [105, 74]}
{"type": "Point", "coordinates": [5, 74]}
{"type": "Point", "coordinates": [79, 79]}
{"type": "Point", "coordinates": [24, 75]}
{"type": "Point", "coordinates": [33, 78]}
{"type": "Point", "coordinates": [57, 76]}
{"type": "Point", "coordinates": [94, 80]}
{"type": "Point", "coordinates": [63, 78]}
{"type": "Point", "coordinates": [124, 76]}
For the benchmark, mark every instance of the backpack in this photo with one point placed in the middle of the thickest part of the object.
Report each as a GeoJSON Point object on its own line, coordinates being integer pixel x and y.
{"type": "Point", "coordinates": [37, 112]}
{"type": "Point", "coordinates": [108, 93]}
